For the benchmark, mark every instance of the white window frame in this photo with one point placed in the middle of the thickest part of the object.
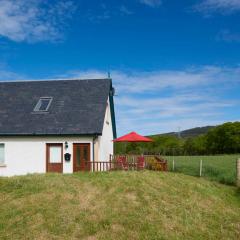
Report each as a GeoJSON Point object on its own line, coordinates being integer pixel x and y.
{"type": "Point", "coordinates": [4, 159]}
{"type": "Point", "coordinates": [54, 149]}
{"type": "Point", "coordinates": [36, 108]}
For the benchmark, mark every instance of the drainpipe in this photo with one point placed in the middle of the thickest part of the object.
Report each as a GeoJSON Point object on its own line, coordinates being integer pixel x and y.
{"type": "Point", "coordinates": [94, 138]}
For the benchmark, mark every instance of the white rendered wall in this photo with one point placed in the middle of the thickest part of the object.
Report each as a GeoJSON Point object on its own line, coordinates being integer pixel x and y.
{"type": "Point", "coordinates": [25, 155]}
{"type": "Point", "coordinates": [106, 140]}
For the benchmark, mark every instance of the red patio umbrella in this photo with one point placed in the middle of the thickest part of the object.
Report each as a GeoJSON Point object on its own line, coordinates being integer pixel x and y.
{"type": "Point", "coordinates": [133, 137]}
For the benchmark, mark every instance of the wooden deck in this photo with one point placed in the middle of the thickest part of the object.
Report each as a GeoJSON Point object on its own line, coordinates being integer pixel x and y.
{"type": "Point", "coordinates": [128, 163]}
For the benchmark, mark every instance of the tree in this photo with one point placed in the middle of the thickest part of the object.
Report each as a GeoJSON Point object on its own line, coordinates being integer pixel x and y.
{"type": "Point", "coordinates": [222, 139]}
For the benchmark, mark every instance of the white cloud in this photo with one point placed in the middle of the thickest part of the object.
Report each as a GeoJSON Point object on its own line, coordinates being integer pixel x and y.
{"type": "Point", "coordinates": [104, 12]}
{"type": "Point", "coordinates": [228, 36]}
{"type": "Point", "coordinates": [88, 74]}
{"type": "Point", "coordinates": [6, 74]}
{"type": "Point", "coordinates": [160, 101]}
{"type": "Point", "coordinates": [33, 20]}
{"type": "Point", "coordinates": [151, 3]}
{"type": "Point", "coordinates": [125, 11]}
{"type": "Point", "coordinates": [224, 6]}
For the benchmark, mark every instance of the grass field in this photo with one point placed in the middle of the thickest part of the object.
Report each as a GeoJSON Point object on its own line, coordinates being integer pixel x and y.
{"type": "Point", "coordinates": [220, 168]}
{"type": "Point", "coordinates": [118, 205]}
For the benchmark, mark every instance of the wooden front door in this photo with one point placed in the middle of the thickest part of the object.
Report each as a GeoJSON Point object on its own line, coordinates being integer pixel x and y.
{"type": "Point", "coordinates": [81, 157]}
{"type": "Point", "coordinates": [54, 155]}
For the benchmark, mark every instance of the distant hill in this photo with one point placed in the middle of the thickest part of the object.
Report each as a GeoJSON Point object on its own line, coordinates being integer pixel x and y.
{"type": "Point", "coordinates": [192, 132]}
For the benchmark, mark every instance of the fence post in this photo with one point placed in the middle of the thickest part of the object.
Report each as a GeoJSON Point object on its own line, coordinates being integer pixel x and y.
{"type": "Point", "coordinates": [110, 161]}
{"type": "Point", "coordinates": [200, 170]}
{"type": "Point", "coordinates": [238, 172]}
{"type": "Point", "coordinates": [173, 165]}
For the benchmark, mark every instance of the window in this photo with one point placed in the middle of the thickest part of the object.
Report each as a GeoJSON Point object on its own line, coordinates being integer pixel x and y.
{"type": "Point", "coordinates": [55, 154]}
{"type": "Point", "coordinates": [2, 155]}
{"type": "Point", "coordinates": [43, 104]}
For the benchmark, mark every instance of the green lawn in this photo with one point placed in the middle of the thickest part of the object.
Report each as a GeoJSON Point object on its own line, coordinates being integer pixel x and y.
{"type": "Point", "coordinates": [220, 168]}
{"type": "Point", "coordinates": [118, 205]}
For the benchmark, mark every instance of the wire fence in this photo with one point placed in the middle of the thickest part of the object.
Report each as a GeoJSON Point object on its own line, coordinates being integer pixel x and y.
{"type": "Point", "coordinates": [221, 168]}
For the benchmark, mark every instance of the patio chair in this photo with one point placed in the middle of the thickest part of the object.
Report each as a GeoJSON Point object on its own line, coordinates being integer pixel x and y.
{"type": "Point", "coordinates": [122, 163]}
{"type": "Point", "coordinates": [140, 163]}
{"type": "Point", "coordinates": [162, 162]}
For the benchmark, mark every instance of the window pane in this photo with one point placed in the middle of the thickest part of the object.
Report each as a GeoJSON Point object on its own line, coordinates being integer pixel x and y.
{"type": "Point", "coordinates": [78, 156]}
{"type": "Point", "coordinates": [55, 154]}
{"type": "Point", "coordinates": [2, 160]}
{"type": "Point", "coordinates": [43, 104]}
{"type": "Point", "coordinates": [85, 152]}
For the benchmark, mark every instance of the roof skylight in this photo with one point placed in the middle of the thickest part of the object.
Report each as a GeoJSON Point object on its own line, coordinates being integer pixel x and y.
{"type": "Point", "coordinates": [43, 104]}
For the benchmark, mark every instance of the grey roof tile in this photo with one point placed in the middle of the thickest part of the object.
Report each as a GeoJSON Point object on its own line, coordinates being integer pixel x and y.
{"type": "Point", "coordinates": [78, 107]}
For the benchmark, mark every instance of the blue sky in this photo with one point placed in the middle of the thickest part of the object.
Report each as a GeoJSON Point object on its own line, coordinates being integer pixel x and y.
{"type": "Point", "coordinates": [173, 63]}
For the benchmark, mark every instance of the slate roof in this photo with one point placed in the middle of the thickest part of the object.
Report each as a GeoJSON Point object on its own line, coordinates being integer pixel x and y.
{"type": "Point", "coordinates": [78, 107]}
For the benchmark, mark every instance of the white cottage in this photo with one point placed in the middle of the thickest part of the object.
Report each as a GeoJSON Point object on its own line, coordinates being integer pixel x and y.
{"type": "Point", "coordinates": [55, 125]}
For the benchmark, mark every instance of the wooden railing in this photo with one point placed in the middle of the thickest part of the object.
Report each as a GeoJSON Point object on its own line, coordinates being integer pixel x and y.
{"type": "Point", "coordinates": [151, 162]}
{"type": "Point", "coordinates": [97, 166]}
